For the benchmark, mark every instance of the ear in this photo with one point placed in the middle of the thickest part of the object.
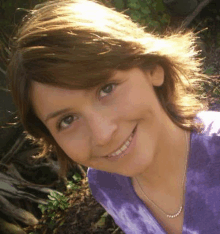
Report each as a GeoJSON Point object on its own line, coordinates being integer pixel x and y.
{"type": "Point", "coordinates": [157, 76]}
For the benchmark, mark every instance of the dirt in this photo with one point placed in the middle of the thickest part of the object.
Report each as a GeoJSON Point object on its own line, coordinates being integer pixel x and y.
{"type": "Point", "coordinates": [86, 215]}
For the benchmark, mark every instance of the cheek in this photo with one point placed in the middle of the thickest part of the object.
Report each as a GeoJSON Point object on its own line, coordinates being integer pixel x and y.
{"type": "Point", "coordinates": [137, 103]}
{"type": "Point", "coordinates": [76, 149]}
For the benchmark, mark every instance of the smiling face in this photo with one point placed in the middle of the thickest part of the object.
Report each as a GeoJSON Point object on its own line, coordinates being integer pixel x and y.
{"type": "Point", "coordinates": [117, 127]}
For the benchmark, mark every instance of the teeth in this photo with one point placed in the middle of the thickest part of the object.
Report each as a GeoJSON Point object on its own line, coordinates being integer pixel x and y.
{"type": "Point", "coordinates": [123, 148]}
{"type": "Point", "coordinates": [127, 143]}
{"type": "Point", "coordinates": [118, 152]}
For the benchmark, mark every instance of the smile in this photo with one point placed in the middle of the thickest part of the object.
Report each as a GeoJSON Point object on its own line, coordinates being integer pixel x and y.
{"type": "Point", "coordinates": [124, 147]}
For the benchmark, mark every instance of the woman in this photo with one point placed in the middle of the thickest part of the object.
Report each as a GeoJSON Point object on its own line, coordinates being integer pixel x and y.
{"type": "Point", "coordinates": [104, 93]}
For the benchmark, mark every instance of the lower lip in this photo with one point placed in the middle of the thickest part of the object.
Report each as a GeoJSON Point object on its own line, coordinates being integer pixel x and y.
{"type": "Point", "coordinates": [127, 151]}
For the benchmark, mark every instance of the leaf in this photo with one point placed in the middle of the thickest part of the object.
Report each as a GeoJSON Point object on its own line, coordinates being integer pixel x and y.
{"type": "Point", "coordinates": [216, 91]}
{"type": "Point", "coordinates": [42, 208]}
{"type": "Point", "coordinates": [143, 4]}
{"type": "Point", "coordinates": [52, 224]}
{"type": "Point", "coordinates": [50, 197]}
{"type": "Point", "coordinates": [119, 4]}
{"type": "Point", "coordinates": [134, 4]}
{"type": "Point", "coordinates": [160, 6]}
{"type": "Point", "coordinates": [77, 177]}
{"type": "Point", "coordinates": [210, 70]}
{"type": "Point", "coordinates": [135, 15]}
{"type": "Point", "coordinates": [61, 223]}
{"type": "Point", "coordinates": [53, 194]}
{"type": "Point", "coordinates": [55, 203]}
{"type": "Point", "coordinates": [145, 10]}
{"type": "Point", "coordinates": [101, 222]}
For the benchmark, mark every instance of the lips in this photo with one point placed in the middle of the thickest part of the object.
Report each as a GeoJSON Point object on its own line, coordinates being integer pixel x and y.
{"type": "Point", "coordinates": [124, 147]}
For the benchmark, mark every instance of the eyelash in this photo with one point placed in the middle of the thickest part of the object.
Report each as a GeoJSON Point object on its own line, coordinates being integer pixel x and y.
{"type": "Point", "coordinates": [59, 128]}
{"type": "Point", "coordinates": [107, 85]}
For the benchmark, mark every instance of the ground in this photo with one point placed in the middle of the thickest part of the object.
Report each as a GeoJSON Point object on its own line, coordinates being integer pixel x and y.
{"type": "Point", "coordinates": [84, 216]}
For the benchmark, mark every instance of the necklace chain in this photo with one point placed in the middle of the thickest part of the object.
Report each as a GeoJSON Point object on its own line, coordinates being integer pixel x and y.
{"type": "Point", "coordinates": [171, 216]}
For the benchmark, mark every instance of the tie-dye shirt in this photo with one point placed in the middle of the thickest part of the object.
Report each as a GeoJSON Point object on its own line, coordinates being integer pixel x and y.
{"type": "Point", "coordinates": [202, 197]}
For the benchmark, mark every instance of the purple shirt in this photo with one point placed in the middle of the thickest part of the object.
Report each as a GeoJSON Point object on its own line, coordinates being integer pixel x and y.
{"type": "Point", "coordinates": [202, 197]}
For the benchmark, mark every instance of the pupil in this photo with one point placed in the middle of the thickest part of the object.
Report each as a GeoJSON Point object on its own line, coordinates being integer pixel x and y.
{"type": "Point", "coordinates": [108, 89]}
{"type": "Point", "coordinates": [68, 120]}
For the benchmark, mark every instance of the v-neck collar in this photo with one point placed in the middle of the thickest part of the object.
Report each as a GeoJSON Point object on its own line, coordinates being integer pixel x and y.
{"type": "Point", "coordinates": [143, 204]}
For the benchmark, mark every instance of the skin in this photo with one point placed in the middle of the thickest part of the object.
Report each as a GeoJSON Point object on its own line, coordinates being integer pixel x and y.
{"type": "Point", "coordinates": [105, 117]}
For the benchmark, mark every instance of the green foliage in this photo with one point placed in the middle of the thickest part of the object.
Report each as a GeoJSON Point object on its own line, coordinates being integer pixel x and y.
{"type": "Point", "coordinates": [12, 11]}
{"type": "Point", "coordinates": [57, 201]}
{"type": "Point", "coordinates": [54, 211]}
{"type": "Point", "coordinates": [71, 185]}
{"type": "Point", "coordinates": [119, 4]}
{"type": "Point", "coordinates": [102, 221]}
{"type": "Point", "coordinates": [77, 177]}
{"type": "Point", "coordinates": [150, 13]}
{"type": "Point", "coordinates": [210, 70]}
{"type": "Point", "coordinates": [216, 91]}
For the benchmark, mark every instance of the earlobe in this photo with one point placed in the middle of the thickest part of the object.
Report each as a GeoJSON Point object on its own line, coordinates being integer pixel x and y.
{"type": "Point", "coordinates": [157, 76]}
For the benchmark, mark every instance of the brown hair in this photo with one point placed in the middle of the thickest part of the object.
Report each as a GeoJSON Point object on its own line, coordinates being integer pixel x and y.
{"type": "Point", "coordinates": [78, 44]}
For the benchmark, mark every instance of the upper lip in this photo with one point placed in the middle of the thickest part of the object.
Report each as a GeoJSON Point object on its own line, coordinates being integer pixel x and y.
{"type": "Point", "coordinates": [121, 144]}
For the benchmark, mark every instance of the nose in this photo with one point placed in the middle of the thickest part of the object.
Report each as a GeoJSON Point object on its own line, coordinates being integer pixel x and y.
{"type": "Point", "coordinates": [103, 128]}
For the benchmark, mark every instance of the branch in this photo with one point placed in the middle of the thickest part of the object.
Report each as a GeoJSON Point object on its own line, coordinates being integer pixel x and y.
{"type": "Point", "coordinates": [11, 187]}
{"type": "Point", "coordinates": [82, 170]}
{"type": "Point", "coordinates": [17, 213]}
{"type": "Point", "coordinates": [15, 148]}
{"type": "Point", "coordinates": [190, 17]}
{"type": "Point", "coordinates": [7, 227]}
{"type": "Point", "coordinates": [1, 70]}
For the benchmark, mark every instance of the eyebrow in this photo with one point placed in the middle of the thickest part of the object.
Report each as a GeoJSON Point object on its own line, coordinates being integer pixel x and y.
{"type": "Point", "coordinates": [56, 113]}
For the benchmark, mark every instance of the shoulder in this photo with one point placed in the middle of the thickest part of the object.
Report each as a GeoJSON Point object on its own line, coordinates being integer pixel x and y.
{"type": "Point", "coordinates": [208, 140]}
{"type": "Point", "coordinates": [210, 121]}
{"type": "Point", "coordinates": [111, 190]}
{"type": "Point", "coordinates": [95, 180]}
{"type": "Point", "coordinates": [105, 179]}
{"type": "Point", "coordinates": [205, 145]}
{"type": "Point", "coordinates": [104, 182]}
{"type": "Point", "coordinates": [203, 175]}
{"type": "Point", "coordinates": [95, 176]}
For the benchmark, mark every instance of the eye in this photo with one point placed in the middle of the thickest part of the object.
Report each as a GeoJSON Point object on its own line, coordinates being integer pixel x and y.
{"type": "Point", "coordinates": [65, 122]}
{"type": "Point", "coordinates": [107, 89]}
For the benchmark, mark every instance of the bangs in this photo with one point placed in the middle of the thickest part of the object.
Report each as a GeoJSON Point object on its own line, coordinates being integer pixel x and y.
{"type": "Point", "coordinates": [68, 75]}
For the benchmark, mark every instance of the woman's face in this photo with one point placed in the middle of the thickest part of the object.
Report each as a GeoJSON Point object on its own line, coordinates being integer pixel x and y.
{"type": "Point", "coordinates": [115, 128]}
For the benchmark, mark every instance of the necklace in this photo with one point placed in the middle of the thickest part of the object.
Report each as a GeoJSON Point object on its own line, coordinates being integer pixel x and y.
{"type": "Point", "coordinates": [171, 216]}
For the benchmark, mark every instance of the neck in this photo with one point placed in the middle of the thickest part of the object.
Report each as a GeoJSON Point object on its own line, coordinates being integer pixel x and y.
{"type": "Point", "coordinates": [168, 168]}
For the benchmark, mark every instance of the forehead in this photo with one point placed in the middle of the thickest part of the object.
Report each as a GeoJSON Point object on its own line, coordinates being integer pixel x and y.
{"type": "Point", "coordinates": [46, 98]}
{"type": "Point", "coordinates": [42, 91]}
{"type": "Point", "coordinates": [39, 89]}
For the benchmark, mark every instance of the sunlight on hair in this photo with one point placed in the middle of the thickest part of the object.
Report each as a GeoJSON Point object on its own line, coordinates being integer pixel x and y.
{"type": "Point", "coordinates": [90, 13]}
